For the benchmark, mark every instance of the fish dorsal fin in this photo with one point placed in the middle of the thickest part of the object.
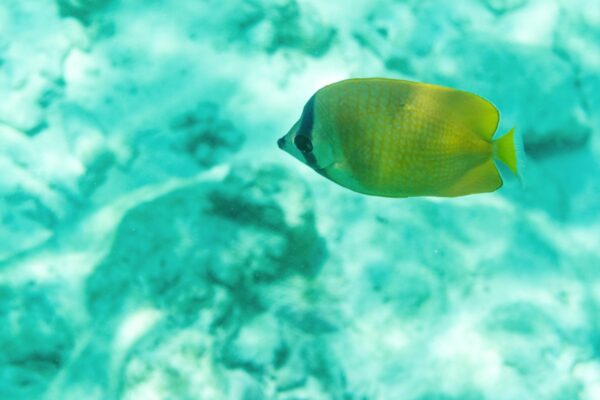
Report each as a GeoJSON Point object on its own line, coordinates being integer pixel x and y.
{"type": "Point", "coordinates": [471, 111]}
{"type": "Point", "coordinates": [468, 110]}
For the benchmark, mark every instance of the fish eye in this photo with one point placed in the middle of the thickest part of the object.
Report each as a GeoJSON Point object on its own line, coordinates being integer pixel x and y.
{"type": "Point", "coordinates": [303, 143]}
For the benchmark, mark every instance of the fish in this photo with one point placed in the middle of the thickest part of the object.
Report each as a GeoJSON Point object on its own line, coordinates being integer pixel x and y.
{"type": "Point", "coordinates": [397, 138]}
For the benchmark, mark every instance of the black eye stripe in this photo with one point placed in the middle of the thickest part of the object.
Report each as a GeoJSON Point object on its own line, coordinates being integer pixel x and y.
{"type": "Point", "coordinates": [308, 118]}
{"type": "Point", "coordinates": [311, 160]}
{"type": "Point", "coordinates": [303, 139]}
{"type": "Point", "coordinates": [303, 143]}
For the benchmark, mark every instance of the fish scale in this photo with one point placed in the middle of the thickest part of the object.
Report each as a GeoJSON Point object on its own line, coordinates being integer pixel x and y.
{"type": "Point", "coordinates": [410, 141]}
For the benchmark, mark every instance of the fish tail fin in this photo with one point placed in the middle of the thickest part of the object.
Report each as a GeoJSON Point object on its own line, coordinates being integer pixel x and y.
{"type": "Point", "coordinates": [509, 149]}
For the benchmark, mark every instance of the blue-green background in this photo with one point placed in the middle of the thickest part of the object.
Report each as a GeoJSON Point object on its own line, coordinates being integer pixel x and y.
{"type": "Point", "coordinates": [155, 243]}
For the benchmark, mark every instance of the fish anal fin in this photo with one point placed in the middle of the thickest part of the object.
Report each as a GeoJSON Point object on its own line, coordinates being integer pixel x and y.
{"type": "Point", "coordinates": [481, 179]}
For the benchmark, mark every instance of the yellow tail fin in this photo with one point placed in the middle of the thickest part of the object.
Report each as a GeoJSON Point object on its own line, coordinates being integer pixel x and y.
{"type": "Point", "coordinates": [509, 149]}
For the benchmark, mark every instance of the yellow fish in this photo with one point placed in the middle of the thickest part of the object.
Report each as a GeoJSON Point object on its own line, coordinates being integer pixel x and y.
{"type": "Point", "coordinates": [395, 138]}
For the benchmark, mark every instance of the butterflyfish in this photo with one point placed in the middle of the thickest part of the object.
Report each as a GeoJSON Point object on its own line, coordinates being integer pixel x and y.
{"type": "Point", "coordinates": [396, 138]}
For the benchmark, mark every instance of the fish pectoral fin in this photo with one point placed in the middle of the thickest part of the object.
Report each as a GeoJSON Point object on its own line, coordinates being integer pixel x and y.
{"type": "Point", "coordinates": [480, 179]}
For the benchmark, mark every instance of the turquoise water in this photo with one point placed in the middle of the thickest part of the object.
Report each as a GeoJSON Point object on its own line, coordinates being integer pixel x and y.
{"type": "Point", "coordinates": [156, 244]}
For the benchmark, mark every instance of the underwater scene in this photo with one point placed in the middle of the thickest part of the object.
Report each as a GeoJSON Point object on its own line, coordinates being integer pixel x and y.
{"type": "Point", "coordinates": [156, 243]}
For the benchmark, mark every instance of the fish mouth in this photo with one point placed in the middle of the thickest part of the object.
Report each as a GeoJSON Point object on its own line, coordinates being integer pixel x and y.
{"type": "Point", "coordinates": [281, 142]}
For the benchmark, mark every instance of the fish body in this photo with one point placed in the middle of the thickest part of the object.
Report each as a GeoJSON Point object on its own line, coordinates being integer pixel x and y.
{"type": "Point", "coordinates": [397, 138]}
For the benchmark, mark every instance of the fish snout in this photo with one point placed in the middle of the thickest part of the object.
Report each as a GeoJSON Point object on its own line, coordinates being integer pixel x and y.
{"type": "Point", "coordinates": [281, 142]}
